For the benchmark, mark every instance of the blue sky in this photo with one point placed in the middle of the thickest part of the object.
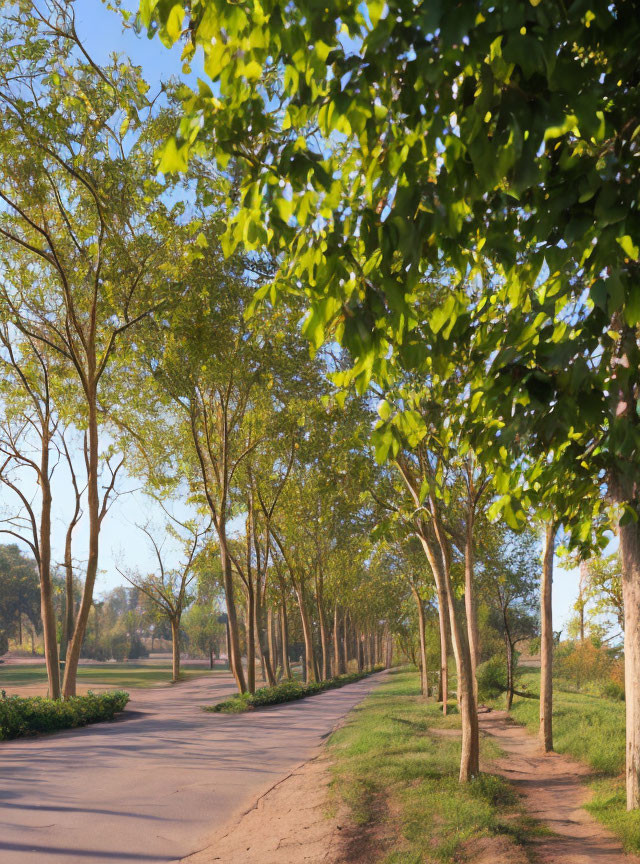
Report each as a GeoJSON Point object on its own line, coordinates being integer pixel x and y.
{"type": "Point", "coordinates": [121, 542]}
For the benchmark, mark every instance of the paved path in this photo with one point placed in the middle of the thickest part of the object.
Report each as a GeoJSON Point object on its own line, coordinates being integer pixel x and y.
{"type": "Point", "coordinates": [152, 786]}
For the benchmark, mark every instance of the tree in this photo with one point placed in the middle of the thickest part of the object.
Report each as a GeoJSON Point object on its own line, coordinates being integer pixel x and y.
{"type": "Point", "coordinates": [19, 592]}
{"type": "Point", "coordinates": [168, 588]}
{"type": "Point", "coordinates": [510, 581]}
{"type": "Point", "coordinates": [501, 143]}
{"type": "Point", "coordinates": [84, 223]}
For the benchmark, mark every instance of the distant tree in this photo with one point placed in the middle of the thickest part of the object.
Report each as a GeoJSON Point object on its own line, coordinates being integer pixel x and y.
{"type": "Point", "coordinates": [19, 592]}
{"type": "Point", "coordinates": [510, 575]}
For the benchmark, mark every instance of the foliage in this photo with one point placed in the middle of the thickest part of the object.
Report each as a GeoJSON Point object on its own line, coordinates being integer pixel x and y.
{"type": "Point", "coordinates": [492, 678]}
{"type": "Point", "coordinates": [587, 665]}
{"type": "Point", "coordinates": [287, 691]}
{"type": "Point", "coordinates": [28, 716]}
{"type": "Point", "coordinates": [19, 590]}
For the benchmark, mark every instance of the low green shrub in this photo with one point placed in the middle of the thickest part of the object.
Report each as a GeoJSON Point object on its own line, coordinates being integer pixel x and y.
{"type": "Point", "coordinates": [286, 691]}
{"type": "Point", "coordinates": [21, 716]}
{"type": "Point", "coordinates": [492, 678]}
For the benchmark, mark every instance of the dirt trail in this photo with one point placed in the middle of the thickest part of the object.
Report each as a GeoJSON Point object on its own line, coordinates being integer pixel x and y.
{"type": "Point", "coordinates": [554, 793]}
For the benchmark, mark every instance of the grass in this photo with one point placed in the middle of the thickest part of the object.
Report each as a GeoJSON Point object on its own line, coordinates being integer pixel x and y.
{"type": "Point", "coordinates": [592, 730]}
{"type": "Point", "coordinates": [398, 774]}
{"type": "Point", "coordinates": [113, 675]}
{"type": "Point", "coordinates": [286, 691]}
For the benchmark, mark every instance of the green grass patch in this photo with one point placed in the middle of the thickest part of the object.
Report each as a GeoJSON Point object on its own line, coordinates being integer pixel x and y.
{"type": "Point", "coordinates": [114, 675]}
{"type": "Point", "coordinates": [20, 716]}
{"type": "Point", "coordinates": [286, 691]}
{"type": "Point", "coordinates": [396, 764]}
{"type": "Point", "coordinates": [591, 729]}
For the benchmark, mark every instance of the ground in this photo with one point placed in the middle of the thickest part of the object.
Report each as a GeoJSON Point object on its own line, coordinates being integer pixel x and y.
{"type": "Point", "coordinates": [153, 786]}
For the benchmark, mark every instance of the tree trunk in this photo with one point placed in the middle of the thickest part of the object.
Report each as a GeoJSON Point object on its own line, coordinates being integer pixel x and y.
{"type": "Point", "coordinates": [470, 600]}
{"type": "Point", "coordinates": [338, 657]}
{"type": "Point", "coordinates": [345, 640]}
{"type": "Point", "coordinates": [47, 611]}
{"type": "Point", "coordinates": [324, 643]}
{"type": "Point", "coordinates": [470, 756]}
{"type": "Point", "coordinates": [263, 626]}
{"type": "Point", "coordinates": [235, 658]}
{"type": "Point", "coordinates": [175, 649]}
{"type": "Point", "coordinates": [424, 680]}
{"type": "Point", "coordinates": [271, 642]}
{"type": "Point", "coordinates": [251, 643]}
{"type": "Point", "coordinates": [509, 654]}
{"type": "Point", "coordinates": [93, 506]}
{"type": "Point", "coordinates": [307, 631]}
{"type": "Point", "coordinates": [629, 535]}
{"type": "Point", "coordinates": [443, 684]}
{"type": "Point", "coordinates": [546, 641]}
{"type": "Point", "coordinates": [284, 630]}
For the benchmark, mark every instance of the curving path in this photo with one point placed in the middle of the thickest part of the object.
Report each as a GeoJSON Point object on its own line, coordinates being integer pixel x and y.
{"type": "Point", "coordinates": [152, 786]}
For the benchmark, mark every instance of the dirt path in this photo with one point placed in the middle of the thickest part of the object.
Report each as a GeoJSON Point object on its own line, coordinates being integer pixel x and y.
{"type": "Point", "coordinates": [153, 786]}
{"type": "Point", "coordinates": [554, 793]}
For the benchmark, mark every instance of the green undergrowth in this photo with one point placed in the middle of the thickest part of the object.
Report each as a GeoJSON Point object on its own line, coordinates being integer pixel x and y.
{"type": "Point", "coordinates": [395, 766]}
{"type": "Point", "coordinates": [21, 716]}
{"type": "Point", "coordinates": [286, 691]}
{"type": "Point", "coordinates": [591, 729]}
{"type": "Point", "coordinates": [112, 675]}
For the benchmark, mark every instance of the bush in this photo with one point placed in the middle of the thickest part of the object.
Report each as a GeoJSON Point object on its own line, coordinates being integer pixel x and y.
{"type": "Point", "coordinates": [492, 677]}
{"type": "Point", "coordinates": [27, 716]}
{"type": "Point", "coordinates": [286, 691]}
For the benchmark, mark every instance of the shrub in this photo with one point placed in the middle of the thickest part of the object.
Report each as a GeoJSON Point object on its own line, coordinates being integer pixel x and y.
{"type": "Point", "coordinates": [286, 691]}
{"type": "Point", "coordinates": [27, 716]}
{"type": "Point", "coordinates": [492, 677]}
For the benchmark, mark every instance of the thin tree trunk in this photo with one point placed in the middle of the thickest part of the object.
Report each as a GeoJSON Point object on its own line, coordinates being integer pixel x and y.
{"type": "Point", "coordinates": [470, 600]}
{"type": "Point", "coordinates": [284, 630]}
{"type": "Point", "coordinates": [310, 666]}
{"type": "Point", "coordinates": [509, 655]}
{"type": "Point", "coordinates": [470, 755]}
{"type": "Point", "coordinates": [546, 641]}
{"type": "Point", "coordinates": [424, 680]}
{"type": "Point", "coordinates": [338, 656]}
{"type": "Point", "coordinates": [175, 649]}
{"type": "Point", "coordinates": [345, 640]}
{"type": "Point", "coordinates": [235, 658]}
{"type": "Point", "coordinates": [443, 622]}
{"type": "Point", "coordinates": [251, 643]}
{"type": "Point", "coordinates": [629, 535]}
{"type": "Point", "coordinates": [49, 634]}
{"type": "Point", "coordinates": [93, 506]}
{"type": "Point", "coordinates": [271, 641]}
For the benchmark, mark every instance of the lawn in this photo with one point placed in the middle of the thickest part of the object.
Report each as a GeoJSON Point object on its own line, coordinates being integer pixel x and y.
{"type": "Point", "coordinates": [591, 729]}
{"type": "Point", "coordinates": [112, 675]}
{"type": "Point", "coordinates": [396, 766]}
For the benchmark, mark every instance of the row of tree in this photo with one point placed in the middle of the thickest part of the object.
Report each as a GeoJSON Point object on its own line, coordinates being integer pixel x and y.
{"type": "Point", "coordinates": [454, 190]}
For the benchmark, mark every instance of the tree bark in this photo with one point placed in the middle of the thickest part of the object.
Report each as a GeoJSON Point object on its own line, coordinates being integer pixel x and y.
{"type": "Point", "coordinates": [271, 642]}
{"type": "Point", "coordinates": [443, 684]}
{"type": "Point", "coordinates": [470, 755]}
{"type": "Point", "coordinates": [175, 649]}
{"type": "Point", "coordinates": [284, 630]}
{"type": "Point", "coordinates": [251, 643]}
{"type": "Point", "coordinates": [345, 640]}
{"type": "Point", "coordinates": [307, 632]}
{"type": "Point", "coordinates": [546, 641]}
{"type": "Point", "coordinates": [629, 535]}
{"type": "Point", "coordinates": [235, 658]}
{"type": "Point", "coordinates": [424, 680]}
{"type": "Point", "coordinates": [470, 600]}
{"type": "Point", "coordinates": [47, 611]}
{"type": "Point", "coordinates": [509, 656]}
{"type": "Point", "coordinates": [93, 506]}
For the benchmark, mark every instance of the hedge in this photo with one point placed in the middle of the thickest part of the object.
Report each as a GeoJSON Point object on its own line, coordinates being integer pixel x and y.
{"type": "Point", "coordinates": [28, 716]}
{"type": "Point", "coordinates": [286, 691]}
